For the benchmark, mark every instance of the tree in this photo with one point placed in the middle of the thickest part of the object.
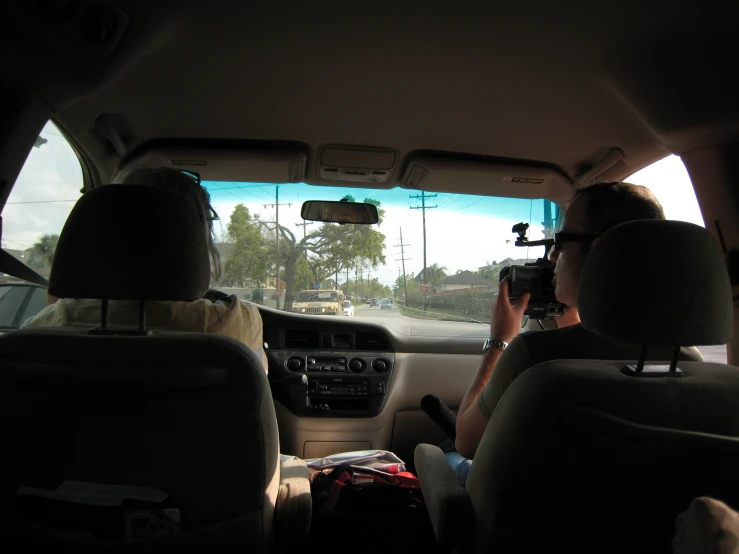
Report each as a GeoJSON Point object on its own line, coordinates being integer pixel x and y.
{"type": "Point", "coordinates": [251, 258]}
{"type": "Point", "coordinates": [399, 287]}
{"type": "Point", "coordinates": [435, 274]}
{"type": "Point", "coordinates": [42, 253]}
{"type": "Point", "coordinates": [327, 251]}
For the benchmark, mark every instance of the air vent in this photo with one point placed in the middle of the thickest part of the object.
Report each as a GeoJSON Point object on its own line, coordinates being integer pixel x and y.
{"type": "Point", "coordinates": [301, 339]}
{"type": "Point", "coordinates": [370, 341]}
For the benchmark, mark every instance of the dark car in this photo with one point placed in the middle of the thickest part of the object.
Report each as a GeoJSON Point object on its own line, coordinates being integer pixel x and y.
{"type": "Point", "coordinates": [374, 302]}
{"type": "Point", "coordinates": [18, 302]}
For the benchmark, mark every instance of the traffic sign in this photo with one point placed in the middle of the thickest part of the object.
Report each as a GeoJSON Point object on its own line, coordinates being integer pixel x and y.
{"type": "Point", "coordinates": [424, 288]}
{"type": "Point", "coordinates": [278, 293]}
{"type": "Point", "coordinates": [316, 285]}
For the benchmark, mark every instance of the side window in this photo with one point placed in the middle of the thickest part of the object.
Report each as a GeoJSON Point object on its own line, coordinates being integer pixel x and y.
{"type": "Point", "coordinates": [47, 188]}
{"type": "Point", "coordinates": [669, 181]}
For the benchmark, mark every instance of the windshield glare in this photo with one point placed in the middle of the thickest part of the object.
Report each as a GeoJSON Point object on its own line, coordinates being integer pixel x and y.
{"type": "Point", "coordinates": [277, 259]}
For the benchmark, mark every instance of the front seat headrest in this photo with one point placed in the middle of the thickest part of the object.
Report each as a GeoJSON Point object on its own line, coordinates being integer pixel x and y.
{"type": "Point", "coordinates": [131, 242]}
{"type": "Point", "coordinates": [657, 282]}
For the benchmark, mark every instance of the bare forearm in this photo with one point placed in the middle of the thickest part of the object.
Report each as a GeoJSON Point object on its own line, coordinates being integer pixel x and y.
{"type": "Point", "coordinates": [482, 376]}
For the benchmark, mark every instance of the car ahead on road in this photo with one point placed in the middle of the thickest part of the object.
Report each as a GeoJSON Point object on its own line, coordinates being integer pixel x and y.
{"type": "Point", "coordinates": [374, 302]}
{"type": "Point", "coordinates": [348, 308]}
{"type": "Point", "coordinates": [385, 305]}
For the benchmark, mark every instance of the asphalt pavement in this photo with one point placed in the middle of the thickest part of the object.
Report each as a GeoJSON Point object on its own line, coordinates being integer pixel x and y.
{"type": "Point", "coordinates": [366, 311]}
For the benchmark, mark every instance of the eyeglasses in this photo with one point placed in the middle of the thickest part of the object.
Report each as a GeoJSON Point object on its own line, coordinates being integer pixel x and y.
{"type": "Point", "coordinates": [212, 215]}
{"type": "Point", "coordinates": [561, 238]}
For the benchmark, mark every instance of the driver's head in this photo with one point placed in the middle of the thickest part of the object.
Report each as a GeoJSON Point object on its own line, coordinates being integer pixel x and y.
{"type": "Point", "coordinates": [187, 185]}
{"type": "Point", "coordinates": [591, 212]}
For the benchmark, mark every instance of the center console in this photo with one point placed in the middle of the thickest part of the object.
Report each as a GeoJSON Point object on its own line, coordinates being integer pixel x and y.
{"type": "Point", "coordinates": [331, 384]}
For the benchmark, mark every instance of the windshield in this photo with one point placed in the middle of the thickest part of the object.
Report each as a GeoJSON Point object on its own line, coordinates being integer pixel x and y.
{"type": "Point", "coordinates": [273, 257]}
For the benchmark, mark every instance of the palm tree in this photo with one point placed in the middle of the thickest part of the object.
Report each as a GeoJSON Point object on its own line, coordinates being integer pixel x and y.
{"type": "Point", "coordinates": [44, 249]}
{"type": "Point", "coordinates": [435, 274]}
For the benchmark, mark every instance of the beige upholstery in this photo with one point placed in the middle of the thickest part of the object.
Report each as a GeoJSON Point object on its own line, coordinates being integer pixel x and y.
{"type": "Point", "coordinates": [448, 503]}
{"type": "Point", "coordinates": [187, 414]}
{"type": "Point", "coordinates": [579, 457]}
{"type": "Point", "coordinates": [591, 456]}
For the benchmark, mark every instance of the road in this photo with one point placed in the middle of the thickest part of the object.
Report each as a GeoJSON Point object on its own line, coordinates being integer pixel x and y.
{"type": "Point", "coordinates": [366, 311]}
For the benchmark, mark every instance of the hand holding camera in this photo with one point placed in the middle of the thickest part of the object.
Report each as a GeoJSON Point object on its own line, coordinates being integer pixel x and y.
{"type": "Point", "coordinates": [506, 318]}
{"type": "Point", "coordinates": [534, 280]}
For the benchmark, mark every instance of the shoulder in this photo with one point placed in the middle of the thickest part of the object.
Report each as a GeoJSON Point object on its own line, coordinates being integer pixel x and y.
{"type": "Point", "coordinates": [573, 332]}
{"type": "Point", "coordinates": [57, 314]}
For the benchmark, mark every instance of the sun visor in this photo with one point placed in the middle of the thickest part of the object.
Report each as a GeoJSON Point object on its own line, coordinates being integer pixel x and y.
{"type": "Point", "coordinates": [441, 174]}
{"type": "Point", "coordinates": [258, 165]}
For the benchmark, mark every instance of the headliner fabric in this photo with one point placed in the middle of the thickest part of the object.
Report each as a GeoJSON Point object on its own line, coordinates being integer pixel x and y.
{"type": "Point", "coordinates": [657, 282]}
{"type": "Point", "coordinates": [131, 242]}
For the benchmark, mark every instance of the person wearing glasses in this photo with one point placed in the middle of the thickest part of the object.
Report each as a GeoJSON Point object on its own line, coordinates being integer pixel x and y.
{"type": "Point", "coordinates": [216, 313]}
{"type": "Point", "coordinates": [592, 211]}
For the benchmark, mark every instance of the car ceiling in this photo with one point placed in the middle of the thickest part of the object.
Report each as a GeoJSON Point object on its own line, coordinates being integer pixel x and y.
{"type": "Point", "coordinates": [512, 81]}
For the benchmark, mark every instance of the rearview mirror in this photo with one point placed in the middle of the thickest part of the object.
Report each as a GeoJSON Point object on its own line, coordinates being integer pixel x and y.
{"type": "Point", "coordinates": [339, 212]}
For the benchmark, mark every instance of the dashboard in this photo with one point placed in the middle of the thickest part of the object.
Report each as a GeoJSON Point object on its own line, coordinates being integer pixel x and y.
{"type": "Point", "coordinates": [344, 384]}
{"type": "Point", "coordinates": [321, 366]}
{"type": "Point", "coordinates": [327, 371]}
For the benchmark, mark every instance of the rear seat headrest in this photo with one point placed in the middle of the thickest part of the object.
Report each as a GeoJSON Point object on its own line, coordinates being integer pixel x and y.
{"type": "Point", "coordinates": [131, 242]}
{"type": "Point", "coordinates": [657, 282]}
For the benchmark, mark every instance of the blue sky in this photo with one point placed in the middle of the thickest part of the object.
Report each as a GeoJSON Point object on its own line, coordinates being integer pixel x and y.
{"type": "Point", "coordinates": [463, 232]}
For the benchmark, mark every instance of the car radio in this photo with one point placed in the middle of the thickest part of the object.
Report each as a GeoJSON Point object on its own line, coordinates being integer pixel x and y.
{"type": "Point", "coordinates": [325, 363]}
{"type": "Point", "coordinates": [338, 387]}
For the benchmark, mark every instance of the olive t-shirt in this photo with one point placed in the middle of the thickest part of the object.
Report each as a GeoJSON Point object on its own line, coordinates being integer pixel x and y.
{"type": "Point", "coordinates": [569, 343]}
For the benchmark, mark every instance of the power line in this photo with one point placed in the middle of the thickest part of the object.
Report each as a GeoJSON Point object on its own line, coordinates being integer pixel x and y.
{"type": "Point", "coordinates": [41, 201]}
{"type": "Point", "coordinates": [238, 187]}
{"type": "Point", "coordinates": [423, 207]}
{"type": "Point", "coordinates": [229, 189]}
{"type": "Point", "coordinates": [449, 200]}
{"type": "Point", "coordinates": [475, 202]}
{"type": "Point", "coordinates": [304, 225]}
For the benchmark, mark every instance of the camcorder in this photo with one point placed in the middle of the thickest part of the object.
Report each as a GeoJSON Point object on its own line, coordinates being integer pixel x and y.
{"type": "Point", "coordinates": [536, 278]}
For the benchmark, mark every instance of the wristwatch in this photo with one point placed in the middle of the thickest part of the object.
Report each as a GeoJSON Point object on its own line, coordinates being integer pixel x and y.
{"type": "Point", "coordinates": [494, 343]}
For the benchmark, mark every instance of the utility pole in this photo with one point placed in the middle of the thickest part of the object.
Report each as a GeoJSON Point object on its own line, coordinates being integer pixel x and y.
{"type": "Point", "coordinates": [423, 207]}
{"type": "Point", "coordinates": [304, 225]}
{"type": "Point", "coordinates": [277, 237]}
{"type": "Point", "coordinates": [402, 258]}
